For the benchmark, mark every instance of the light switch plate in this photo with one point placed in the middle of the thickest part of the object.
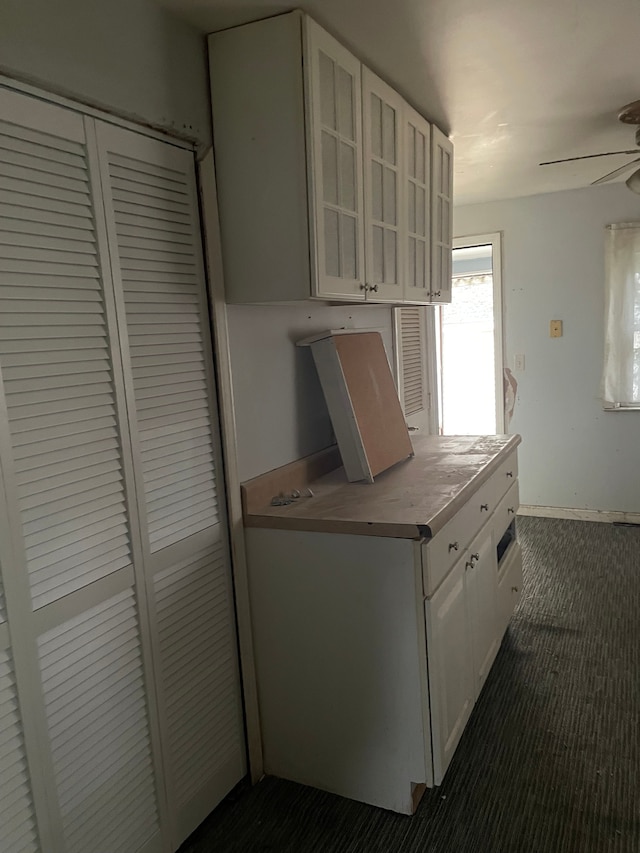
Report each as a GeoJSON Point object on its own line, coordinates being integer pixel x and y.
{"type": "Point", "coordinates": [555, 329]}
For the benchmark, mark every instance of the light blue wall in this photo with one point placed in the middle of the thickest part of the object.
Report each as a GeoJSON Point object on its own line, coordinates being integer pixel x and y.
{"type": "Point", "coordinates": [573, 453]}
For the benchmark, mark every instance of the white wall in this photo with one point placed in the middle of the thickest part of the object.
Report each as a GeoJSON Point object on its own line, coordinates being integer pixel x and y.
{"type": "Point", "coordinates": [573, 454]}
{"type": "Point", "coordinates": [129, 56]}
{"type": "Point", "coordinates": [279, 407]}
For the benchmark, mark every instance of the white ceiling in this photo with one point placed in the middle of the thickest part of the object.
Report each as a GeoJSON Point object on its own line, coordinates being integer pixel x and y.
{"type": "Point", "coordinates": [514, 82]}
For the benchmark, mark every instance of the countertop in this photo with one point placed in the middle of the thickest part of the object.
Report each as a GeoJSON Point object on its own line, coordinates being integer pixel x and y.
{"type": "Point", "coordinates": [412, 500]}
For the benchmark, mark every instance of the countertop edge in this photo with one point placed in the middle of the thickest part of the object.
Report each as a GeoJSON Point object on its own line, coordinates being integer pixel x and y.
{"type": "Point", "coordinates": [356, 528]}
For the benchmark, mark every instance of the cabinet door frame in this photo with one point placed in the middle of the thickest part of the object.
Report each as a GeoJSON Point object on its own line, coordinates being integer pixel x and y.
{"type": "Point", "coordinates": [482, 591]}
{"type": "Point", "coordinates": [376, 289]}
{"type": "Point", "coordinates": [412, 294]}
{"type": "Point", "coordinates": [324, 286]}
{"type": "Point", "coordinates": [441, 216]}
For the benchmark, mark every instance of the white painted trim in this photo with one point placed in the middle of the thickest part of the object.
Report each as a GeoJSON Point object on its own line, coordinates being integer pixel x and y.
{"type": "Point", "coordinates": [134, 123]}
{"type": "Point", "coordinates": [215, 279]}
{"type": "Point", "coordinates": [495, 241]}
{"type": "Point", "coordinates": [432, 372]}
{"type": "Point", "coordinates": [579, 514]}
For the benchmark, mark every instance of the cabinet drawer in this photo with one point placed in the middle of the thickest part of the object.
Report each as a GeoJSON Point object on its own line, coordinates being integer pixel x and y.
{"type": "Point", "coordinates": [506, 511]}
{"type": "Point", "coordinates": [509, 585]}
{"type": "Point", "coordinates": [440, 554]}
{"type": "Point", "coordinates": [488, 496]}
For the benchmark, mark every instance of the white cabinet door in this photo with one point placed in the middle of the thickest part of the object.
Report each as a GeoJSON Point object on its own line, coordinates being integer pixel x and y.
{"type": "Point", "coordinates": [482, 584]}
{"type": "Point", "coordinates": [383, 188]}
{"type": "Point", "coordinates": [441, 215]}
{"type": "Point", "coordinates": [451, 687]}
{"type": "Point", "coordinates": [334, 129]}
{"type": "Point", "coordinates": [509, 586]}
{"type": "Point", "coordinates": [417, 187]}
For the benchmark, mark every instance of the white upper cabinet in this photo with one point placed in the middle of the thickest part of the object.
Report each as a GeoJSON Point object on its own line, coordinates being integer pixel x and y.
{"type": "Point", "coordinates": [335, 167]}
{"type": "Point", "coordinates": [417, 173]}
{"type": "Point", "coordinates": [383, 170]}
{"type": "Point", "coordinates": [323, 172]}
{"type": "Point", "coordinates": [441, 216]}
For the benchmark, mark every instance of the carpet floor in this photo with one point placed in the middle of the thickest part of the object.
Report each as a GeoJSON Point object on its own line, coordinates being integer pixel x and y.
{"type": "Point", "coordinates": [550, 759]}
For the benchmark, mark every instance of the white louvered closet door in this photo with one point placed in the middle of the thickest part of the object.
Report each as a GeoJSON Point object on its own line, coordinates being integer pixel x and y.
{"type": "Point", "coordinates": [81, 660]}
{"type": "Point", "coordinates": [151, 205]}
{"type": "Point", "coordinates": [18, 826]}
{"type": "Point", "coordinates": [412, 366]}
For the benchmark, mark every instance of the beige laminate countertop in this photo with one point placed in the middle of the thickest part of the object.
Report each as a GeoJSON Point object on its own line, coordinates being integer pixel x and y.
{"type": "Point", "coordinates": [412, 500]}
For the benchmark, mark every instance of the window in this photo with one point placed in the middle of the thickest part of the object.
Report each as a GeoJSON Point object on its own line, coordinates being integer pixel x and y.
{"type": "Point", "coordinates": [621, 375]}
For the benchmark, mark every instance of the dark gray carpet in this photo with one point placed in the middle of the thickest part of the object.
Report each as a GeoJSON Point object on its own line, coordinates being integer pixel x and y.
{"type": "Point", "coordinates": [550, 760]}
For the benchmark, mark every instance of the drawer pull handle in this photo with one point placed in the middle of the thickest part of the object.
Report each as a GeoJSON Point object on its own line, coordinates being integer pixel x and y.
{"type": "Point", "coordinates": [474, 558]}
{"type": "Point", "coordinates": [453, 546]}
{"type": "Point", "coordinates": [514, 589]}
{"type": "Point", "coordinates": [484, 507]}
{"type": "Point", "coordinates": [364, 287]}
{"type": "Point", "coordinates": [374, 288]}
{"type": "Point", "coordinates": [511, 510]}
{"type": "Point", "coordinates": [509, 473]}
{"type": "Point", "coordinates": [469, 565]}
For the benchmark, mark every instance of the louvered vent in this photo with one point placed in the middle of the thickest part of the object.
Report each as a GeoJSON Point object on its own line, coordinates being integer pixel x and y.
{"type": "Point", "coordinates": [56, 368]}
{"type": "Point", "coordinates": [162, 282]}
{"type": "Point", "coordinates": [96, 712]}
{"type": "Point", "coordinates": [412, 351]}
{"type": "Point", "coordinates": [199, 668]}
{"type": "Point", "coordinates": [18, 833]}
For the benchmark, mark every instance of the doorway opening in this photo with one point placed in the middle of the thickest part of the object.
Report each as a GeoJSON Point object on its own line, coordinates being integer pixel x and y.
{"type": "Point", "coordinates": [469, 341]}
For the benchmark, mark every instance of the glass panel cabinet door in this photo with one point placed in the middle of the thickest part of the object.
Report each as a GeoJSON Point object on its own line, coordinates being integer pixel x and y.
{"type": "Point", "coordinates": [335, 165]}
{"type": "Point", "coordinates": [441, 216]}
{"type": "Point", "coordinates": [383, 190]}
{"type": "Point", "coordinates": [417, 176]}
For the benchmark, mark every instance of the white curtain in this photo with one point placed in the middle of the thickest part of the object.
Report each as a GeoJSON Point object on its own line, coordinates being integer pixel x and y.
{"type": "Point", "coordinates": [621, 375]}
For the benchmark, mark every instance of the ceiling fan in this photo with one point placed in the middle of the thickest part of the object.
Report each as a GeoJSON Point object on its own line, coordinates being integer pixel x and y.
{"type": "Point", "coordinates": [630, 114]}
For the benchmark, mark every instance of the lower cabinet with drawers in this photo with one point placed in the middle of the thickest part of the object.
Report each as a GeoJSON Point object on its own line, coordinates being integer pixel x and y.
{"type": "Point", "coordinates": [372, 651]}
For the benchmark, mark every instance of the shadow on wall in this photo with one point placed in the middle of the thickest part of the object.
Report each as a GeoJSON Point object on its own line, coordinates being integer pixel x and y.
{"type": "Point", "coordinates": [385, 36]}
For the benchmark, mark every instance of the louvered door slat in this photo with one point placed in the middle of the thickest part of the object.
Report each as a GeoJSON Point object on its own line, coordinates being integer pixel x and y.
{"type": "Point", "coordinates": [105, 763]}
{"type": "Point", "coordinates": [412, 354]}
{"type": "Point", "coordinates": [167, 403]}
{"type": "Point", "coordinates": [49, 335]}
{"type": "Point", "coordinates": [18, 833]}
{"type": "Point", "coordinates": [197, 705]}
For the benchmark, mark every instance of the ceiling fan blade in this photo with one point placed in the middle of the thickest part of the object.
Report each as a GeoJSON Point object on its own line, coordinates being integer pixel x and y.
{"type": "Point", "coordinates": [611, 175]}
{"type": "Point", "coordinates": [589, 157]}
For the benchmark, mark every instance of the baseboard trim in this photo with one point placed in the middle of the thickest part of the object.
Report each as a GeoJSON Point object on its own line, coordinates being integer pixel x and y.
{"type": "Point", "coordinates": [580, 514]}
